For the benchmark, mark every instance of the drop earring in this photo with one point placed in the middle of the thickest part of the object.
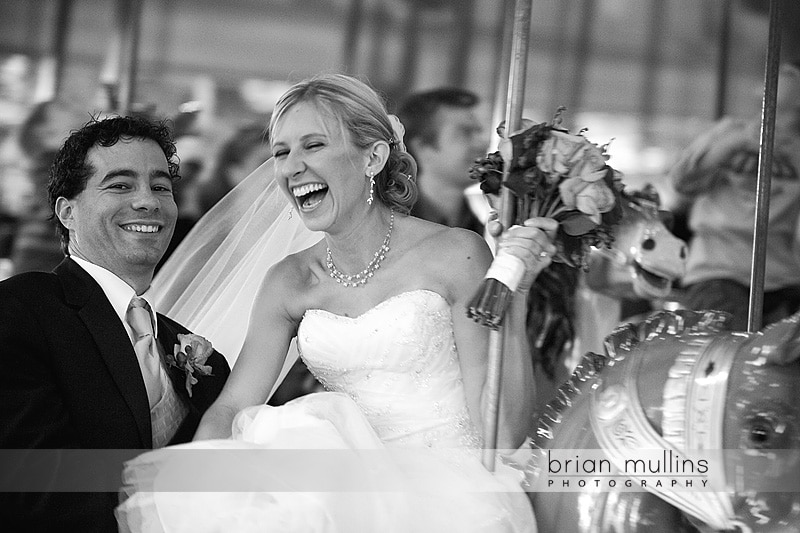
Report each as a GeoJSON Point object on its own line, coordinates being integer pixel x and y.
{"type": "Point", "coordinates": [371, 187]}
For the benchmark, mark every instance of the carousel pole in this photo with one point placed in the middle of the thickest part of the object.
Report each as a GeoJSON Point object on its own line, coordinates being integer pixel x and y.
{"type": "Point", "coordinates": [118, 76]}
{"type": "Point", "coordinates": [723, 59]}
{"type": "Point", "coordinates": [514, 104]}
{"type": "Point", "coordinates": [767, 142]}
{"type": "Point", "coordinates": [500, 73]}
{"type": "Point", "coordinates": [355, 21]}
{"type": "Point", "coordinates": [131, 30]}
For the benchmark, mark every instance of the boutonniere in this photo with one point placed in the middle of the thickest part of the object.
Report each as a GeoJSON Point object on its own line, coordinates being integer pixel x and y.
{"type": "Point", "coordinates": [190, 356]}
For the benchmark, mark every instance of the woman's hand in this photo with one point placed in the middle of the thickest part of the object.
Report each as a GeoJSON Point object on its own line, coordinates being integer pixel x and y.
{"type": "Point", "coordinates": [531, 243]}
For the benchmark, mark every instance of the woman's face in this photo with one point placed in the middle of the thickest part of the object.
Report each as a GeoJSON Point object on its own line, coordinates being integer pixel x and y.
{"type": "Point", "coordinates": [319, 168]}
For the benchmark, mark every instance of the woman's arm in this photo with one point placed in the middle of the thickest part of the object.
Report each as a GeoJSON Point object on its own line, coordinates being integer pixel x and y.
{"type": "Point", "coordinates": [517, 393]}
{"type": "Point", "coordinates": [270, 330]}
{"type": "Point", "coordinates": [466, 265]}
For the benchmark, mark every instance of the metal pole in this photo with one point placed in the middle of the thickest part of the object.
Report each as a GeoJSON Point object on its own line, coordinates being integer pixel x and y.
{"type": "Point", "coordinates": [765, 169]}
{"type": "Point", "coordinates": [62, 26]}
{"type": "Point", "coordinates": [410, 60]}
{"type": "Point", "coordinates": [464, 15]}
{"type": "Point", "coordinates": [127, 90]}
{"type": "Point", "coordinates": [652, 62]}
{"type": "Point", "coordinates": [50, 68]}
{"type": "Point", "coordinates": [514, 105]}
{"type": "Point", "coordinates": [351, 34]}
{"type": "Point", "coordinates": [724, 55]}
{"type": "Point", "coordinates": [500, 74]}
{"type": "Point", "coordinates": [583, 53]}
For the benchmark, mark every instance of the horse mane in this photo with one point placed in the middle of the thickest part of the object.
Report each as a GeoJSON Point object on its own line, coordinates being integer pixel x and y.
{"type": "Point", "coordinates": [589, 366]}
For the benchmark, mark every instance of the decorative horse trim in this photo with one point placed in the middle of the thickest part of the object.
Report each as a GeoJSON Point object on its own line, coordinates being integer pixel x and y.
{"type": "Point", "coordinates": [621, 426]}
{"type": "Point", "coordinates": [618, 419]}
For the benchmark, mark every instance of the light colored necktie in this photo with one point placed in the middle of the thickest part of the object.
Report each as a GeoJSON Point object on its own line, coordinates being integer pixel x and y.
{"type": "Point", "coordinates": [140, 319]}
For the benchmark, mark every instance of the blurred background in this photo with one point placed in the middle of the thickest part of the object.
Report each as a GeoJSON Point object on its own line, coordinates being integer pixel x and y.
{"type": "Point", "coordinates": [649, 74]}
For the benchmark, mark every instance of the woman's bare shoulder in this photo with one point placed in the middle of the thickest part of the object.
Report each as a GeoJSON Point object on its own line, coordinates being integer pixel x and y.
{"type": "Point", "coordinates": [289, 279]}
{"type": "Point", "coordinates": [446, 241]}
{"type": "Point", "coordinates": [447, 258]}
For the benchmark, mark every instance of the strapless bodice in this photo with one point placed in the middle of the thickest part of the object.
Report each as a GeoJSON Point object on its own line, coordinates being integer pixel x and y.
{"type": "Point", "coordinates": [398, 361]}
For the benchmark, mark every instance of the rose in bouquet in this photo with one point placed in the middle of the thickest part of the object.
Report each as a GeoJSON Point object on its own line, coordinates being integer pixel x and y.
{"type": "Point", "coordinates": [551, 173]}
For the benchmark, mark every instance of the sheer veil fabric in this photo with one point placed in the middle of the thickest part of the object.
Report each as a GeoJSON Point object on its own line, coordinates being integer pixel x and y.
{"type": "Point", "coordinates": [210, 282]}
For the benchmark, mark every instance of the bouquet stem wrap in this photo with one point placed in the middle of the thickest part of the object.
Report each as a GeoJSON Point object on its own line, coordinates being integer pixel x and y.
{"type": "Point", "coordinates": [491, 300]}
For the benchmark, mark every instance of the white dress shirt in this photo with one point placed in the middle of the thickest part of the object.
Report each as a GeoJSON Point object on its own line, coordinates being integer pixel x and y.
{"type": "Point", "coordinates": [118, 293]}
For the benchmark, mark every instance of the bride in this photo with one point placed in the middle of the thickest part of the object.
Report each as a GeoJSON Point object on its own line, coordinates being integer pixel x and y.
{"type": "Point", "coordinates": [377, 304]}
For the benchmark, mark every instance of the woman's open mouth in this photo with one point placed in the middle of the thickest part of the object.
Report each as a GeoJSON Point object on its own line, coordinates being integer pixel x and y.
{"type": "Point", "coordinates": [310, 195]}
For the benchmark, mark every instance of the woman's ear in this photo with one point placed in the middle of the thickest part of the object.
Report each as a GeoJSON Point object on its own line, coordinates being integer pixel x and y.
{"type": "Point", "coordinates": [378, 156]}
{"type": "Point", "coordinates": [63, 210]}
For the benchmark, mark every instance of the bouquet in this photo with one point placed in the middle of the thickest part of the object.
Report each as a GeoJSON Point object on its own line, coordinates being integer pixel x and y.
{"type": "Point", "coordinates": [551, 173]}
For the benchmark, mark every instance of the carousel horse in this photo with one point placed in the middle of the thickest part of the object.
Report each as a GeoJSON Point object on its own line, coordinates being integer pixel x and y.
{"type": "Point", "coordinates": [571, 311]}
{"type": "Point", "coordinates": [677, 383]}
{"type": "Point", "coordinates": [646, 257]}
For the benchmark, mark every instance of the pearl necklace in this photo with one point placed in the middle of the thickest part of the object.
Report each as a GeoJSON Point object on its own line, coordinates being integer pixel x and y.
{"type": "Point", "coordinates": [362, 277]}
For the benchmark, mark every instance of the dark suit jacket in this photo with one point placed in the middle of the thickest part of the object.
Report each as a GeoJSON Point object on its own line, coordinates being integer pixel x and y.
{"type": "Point", "coordinates": [69, 378]}
{"type": "Point", "coordinates": [425, 210]}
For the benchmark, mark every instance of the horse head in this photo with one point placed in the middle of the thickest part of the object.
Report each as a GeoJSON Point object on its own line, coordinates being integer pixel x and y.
{"type": "Point", "coordinates": [645, 258]}
{"type": "Point", "coordinates": [681, 382]}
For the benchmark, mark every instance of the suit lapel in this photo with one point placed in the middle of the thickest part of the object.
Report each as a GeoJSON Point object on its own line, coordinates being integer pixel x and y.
{"type": "Point", "coordinates": [112, 341]}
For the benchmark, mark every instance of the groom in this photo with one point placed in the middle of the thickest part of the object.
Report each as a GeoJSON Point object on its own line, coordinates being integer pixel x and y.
{"type": "Point", "coordinates": [85, 361]}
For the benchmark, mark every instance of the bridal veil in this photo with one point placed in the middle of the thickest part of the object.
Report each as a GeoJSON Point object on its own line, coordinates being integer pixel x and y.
{"type": "Point", "coordinates": [210, 282]}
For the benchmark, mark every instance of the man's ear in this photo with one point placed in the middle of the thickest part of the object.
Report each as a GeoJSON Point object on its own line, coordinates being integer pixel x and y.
{"type": "Point", "coordinates": [63, 209]}
{"type": "Point", "coordinates": [378, 155]}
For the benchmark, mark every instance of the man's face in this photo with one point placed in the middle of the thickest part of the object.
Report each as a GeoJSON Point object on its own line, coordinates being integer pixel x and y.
{"type": "Point", "coordinates": [461, 141]}
{"type": "Point", "coordinates": [123, 220]}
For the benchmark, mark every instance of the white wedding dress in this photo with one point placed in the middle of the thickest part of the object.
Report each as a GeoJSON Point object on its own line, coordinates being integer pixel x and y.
{"type": "Point", "coordinates": [390, 447]}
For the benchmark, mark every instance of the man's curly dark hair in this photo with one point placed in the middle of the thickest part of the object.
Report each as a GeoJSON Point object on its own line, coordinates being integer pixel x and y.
{"type": "Point", "coordinates": [70, 170]}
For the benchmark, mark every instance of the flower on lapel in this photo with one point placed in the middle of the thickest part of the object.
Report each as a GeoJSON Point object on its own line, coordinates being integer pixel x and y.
{"type": "Point", "coordinates": [190, 356]}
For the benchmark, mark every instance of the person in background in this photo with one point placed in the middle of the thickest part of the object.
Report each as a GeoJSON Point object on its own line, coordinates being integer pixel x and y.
{"type": "Point", "coordinates": [445, 137]}
{"type": "Point", "coordinates": [36, 245]}
{"type": "Point", "coordinates": [191, 149]}
{"type": "Point", "coordinates": [244, 151]}
{"type": "Point", "coordinates": [715, 179]}
{"type": "Point", "coordinates": [87, 361]}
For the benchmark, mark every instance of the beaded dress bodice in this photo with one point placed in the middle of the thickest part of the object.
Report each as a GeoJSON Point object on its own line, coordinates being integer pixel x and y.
{"type": "Point", "coordinates": [398, 362]}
